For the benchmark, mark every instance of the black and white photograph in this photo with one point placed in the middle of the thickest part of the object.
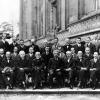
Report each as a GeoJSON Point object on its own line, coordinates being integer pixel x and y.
{"type": "Point", "coordinates": [49, 49]}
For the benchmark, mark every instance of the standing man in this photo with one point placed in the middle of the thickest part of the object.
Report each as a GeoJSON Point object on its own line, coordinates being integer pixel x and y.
{"type": "Point", "coordinates": [4, 44]}
{"type": "Point", "coordinates": [79, 46]}
{"type": "Point", "coordinates": [38, 70]}
{"type": "Point", "coordinates": [7, 70]}
{"type": "Point", "coordinates": [56, 65]}
{"type": "Point", "coordinates": [90, 45]}
{"type": "Point", "coordinates": [95, 70]}
{"type": "Point", "coordinates": [22, 47]}
{"type": "Point", "coordinates": [33, 44]}
{"type": "Point", "coordinates": [67, 46]}
{"type": "Point", "coordinates": [13, 44]}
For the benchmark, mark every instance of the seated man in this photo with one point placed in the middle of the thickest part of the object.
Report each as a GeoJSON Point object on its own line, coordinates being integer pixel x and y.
{"type": "Point", "coordinates": [95, 70]}
{"type": "Point", "coordinates": [7, 70]}
{"type": "Point", "coordinates": [22, 67]}
{"type": "Point", "coordinates": [56, 65]}
{"type": "Point", "coordinates": [30, 56]}
{"type": "Point", "coordinates": [38, 71]}
{"type": "Point", "coordinates": [82, 68]}
{"type": "Point", "coordinates": [69, 69]}
{"type": "Point", "coordinates": [46, 55]}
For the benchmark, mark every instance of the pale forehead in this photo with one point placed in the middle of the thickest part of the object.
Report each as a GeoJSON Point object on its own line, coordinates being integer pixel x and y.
{"type": "Point", "coordinates": [21, 52]}
{"type": "Point", "coordinates": [68, 52]}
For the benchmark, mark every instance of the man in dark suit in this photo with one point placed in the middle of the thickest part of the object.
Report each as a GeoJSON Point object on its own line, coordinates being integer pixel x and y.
{"type": "Point", "coordinates": [22, 47]}
{"type": "Point", "coordinates": [38, 71]}
{"type": "Point", "coordinates": [56, 65]}
{"type": "Point", "coordinates": [90, 45]}
{"type": "Point", "coordinates": [13, 44]}
{"type": "Point", "coordinates": [46, 55]}
{"type": "Point", "coordinates": [33, 44]}
{"type": "Point", "coordinates": [67, 46]}
{"type": "Point", "coordinates": [7, 70]}
{"type": "Point", "coordinates": [22, 67]}
{"type": "Point", "coordinates": [95, 70]}
{"type": "Point", "coordinates": [69, 69]}
{"type": "Point", "coordinates": [88, 56]}
{"type": "Point", "coordinates": [82, 68]}
{"type": "Point", "coordinates": [4, 44]}
{"type": "Point", "coordinates": [79, 46]}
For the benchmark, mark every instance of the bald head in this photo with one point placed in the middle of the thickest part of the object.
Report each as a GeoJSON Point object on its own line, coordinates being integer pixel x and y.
{"type": "Point", "coordinates": [8, 54]}
{"type": "Point", "coordinates": [68, 54]}
{"type": "Point", "coordinates": [1, 51]}
{"type": "Point", "coordinates": [80, 54]}
{"type": "Point", "coordinates": [22, 54]}
{"type": "Point", "coordinates": [38, 55]}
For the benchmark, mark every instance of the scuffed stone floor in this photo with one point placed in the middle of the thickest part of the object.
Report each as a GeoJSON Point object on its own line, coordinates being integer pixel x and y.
{"type": "Point", "coordinates": [67, 96]}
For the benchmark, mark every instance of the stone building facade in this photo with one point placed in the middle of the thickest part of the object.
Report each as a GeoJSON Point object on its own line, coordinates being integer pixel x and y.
{"type": "Point", "coordinates": [47, 19]}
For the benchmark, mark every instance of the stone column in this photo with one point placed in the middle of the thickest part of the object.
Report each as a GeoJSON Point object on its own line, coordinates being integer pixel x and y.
{"type": "Point", "coordinates": [63, 14]}
{"type": "Point", "coordinates": [51, 17]}
{"type": "Point", "coordinates": [44, 16]}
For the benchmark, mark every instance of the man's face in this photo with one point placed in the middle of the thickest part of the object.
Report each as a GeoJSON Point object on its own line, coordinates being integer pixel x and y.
{"type": "Point", "coordinates": [31, 50]}
{"type": "Point", "coordinates": [22, 54]}
{"type": "Point", "coordinates": [56, 53]}
{"type": "Point", "coordinates": [72, 50]}
{"type": "Point", "coordinates": [37, 55]}
{"type": "Point", "coordinates": [14, 39]}
{"type": "Point", "coordinates": [80, 54]}
{"type": "Point", "coordinates": [95, 55]}
{"type": "Point", "coordinates": [21, 42]}
{"type": "Point", "coordinates": [15, 49]}
{"type": "Point", "coordinates": [68, 54]}
{"type": "Point", "coordinates": [33, 41]}
{"type": "Point", "coordinates": [88, 40]}
{"type": "Point", "coordinates": [78, 41]}
{"type": "Point", "coordinates": [1, 51]}
{"type": "Point", "coordinates": [47, 49]}
{"type": "Point", "coordinates": [8, 55]}
{"type": "Point", "coordinates": [87, 50]}
{"type": "Point", "coordinates": [67, 41]}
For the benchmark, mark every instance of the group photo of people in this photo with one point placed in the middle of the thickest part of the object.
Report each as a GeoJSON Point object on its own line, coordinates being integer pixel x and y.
{"type": "Point", "coordinates": [53, 66]}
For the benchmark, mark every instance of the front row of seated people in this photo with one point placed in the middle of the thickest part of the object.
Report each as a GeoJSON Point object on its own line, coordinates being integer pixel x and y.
{"type": "Point", "coordinates": [44, 70]}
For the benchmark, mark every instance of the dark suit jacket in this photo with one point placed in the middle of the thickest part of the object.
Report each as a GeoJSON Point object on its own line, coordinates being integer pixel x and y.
{"type": "Point", "coordinates": [67, 48]}
{"type": "Point", "coordinates": [24, 48]}
{"type": "Point", "coordinates": [12, 47]}
{"type": "Point", "coordinates": [81, 48]}
{"type": "Point", "coordinates": [35, 47]}
{"type": "Point", "coordinates": [79, 64]}
{"type": "Point", "coordinates": [22, 63]}
{"type": "Point", "coordinates": [92, 48]}
{"type": "Point", "coordinates": [70, 64]}
{"type": "Point", "coordinates": [5, 46]}
{"type": "Point", "coordinates": [38, 64]}
{"type": "Point", "coordinates": [30, 59]}
{"type": "Point", "coordinates": [47, 58]}
{"type": "Point", "coordinates": [56, 64]}
{"type": "Point", "coordinates": [5, 63]}
{"type": "Point", "coordinates": [95, 65]}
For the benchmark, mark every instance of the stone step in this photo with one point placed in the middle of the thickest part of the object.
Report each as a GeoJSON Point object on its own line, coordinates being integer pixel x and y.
{"type": "Point", "coordinates": [51, 91]}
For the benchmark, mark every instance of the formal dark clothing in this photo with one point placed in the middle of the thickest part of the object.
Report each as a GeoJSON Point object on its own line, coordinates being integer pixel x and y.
{"type": "Point", "coordinates": [12, 45]}
{"type": "Point", "coordinates": [4, 45]}
{"type": "Point", "coordinates": [79, 48]}
{"type": "Point", "coordinates": [67, 48]}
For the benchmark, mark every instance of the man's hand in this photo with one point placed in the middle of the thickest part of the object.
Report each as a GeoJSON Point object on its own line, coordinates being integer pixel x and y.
{"type": "Point", "coordinates": [57, 69]}
{"type": "Point", "coordinates": [83, 68]}
{"type": "Point", "coordinates": [68, 69]}
{"type": "Point", "coordinates": [93, 69]}
{"type": "Point", "coordinates": [21, 69]}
